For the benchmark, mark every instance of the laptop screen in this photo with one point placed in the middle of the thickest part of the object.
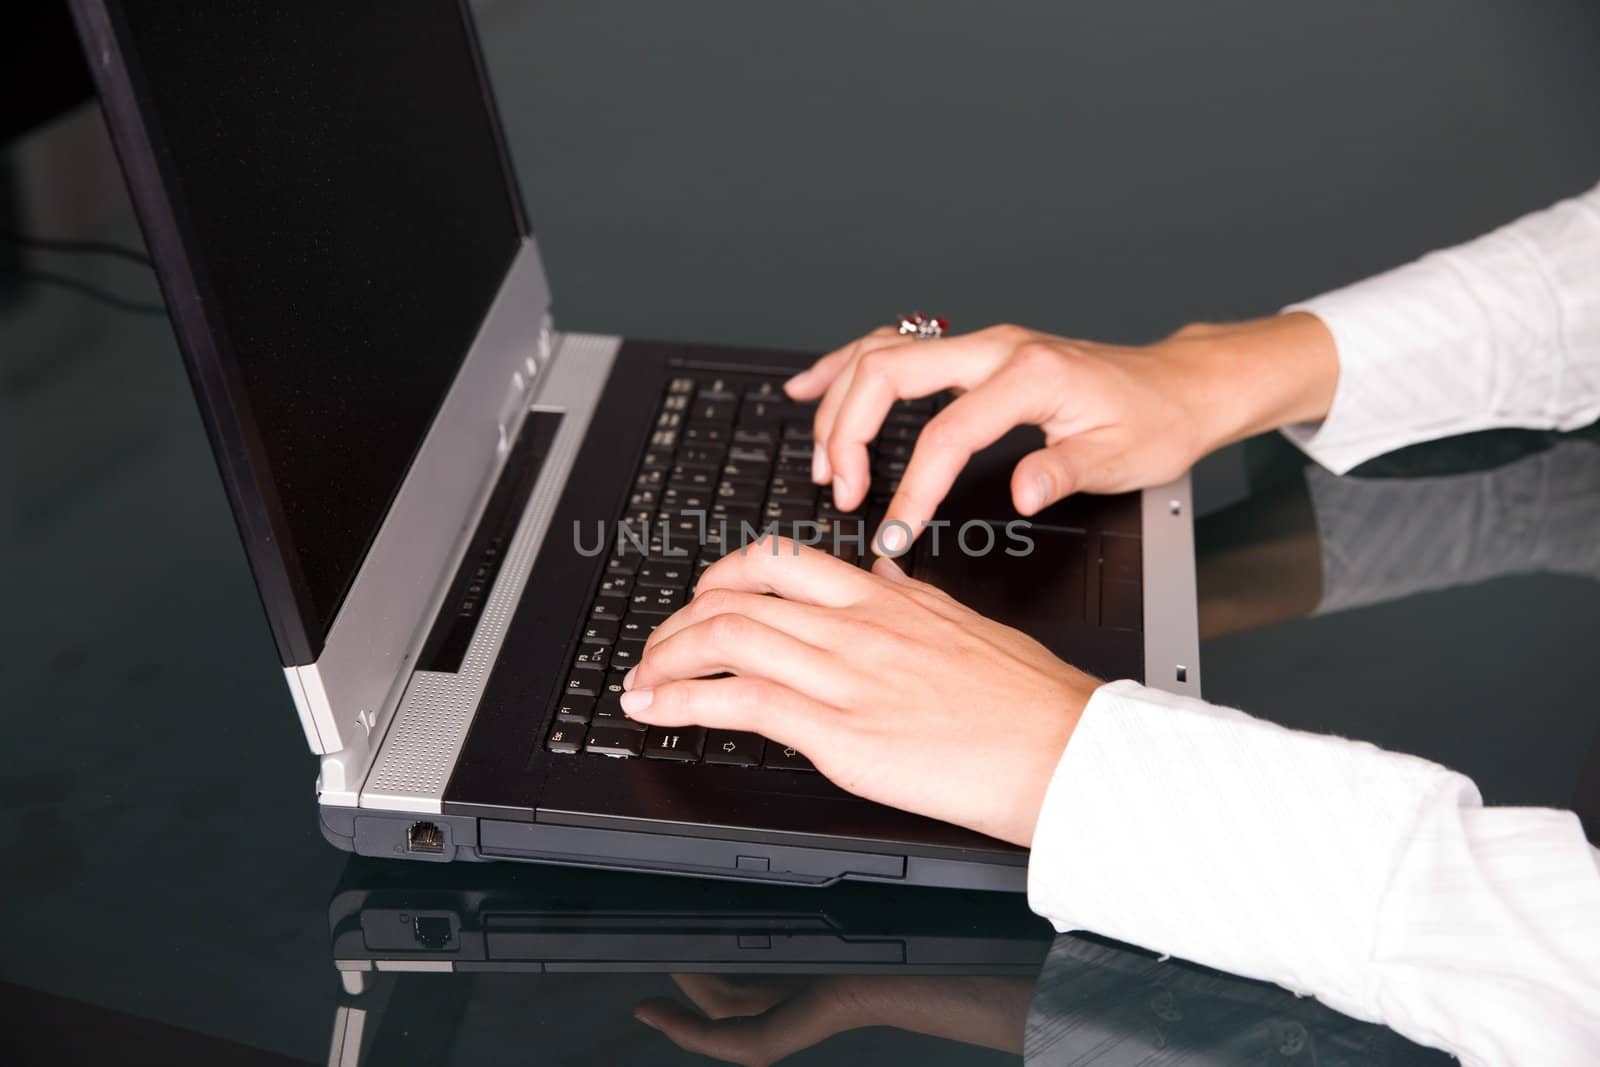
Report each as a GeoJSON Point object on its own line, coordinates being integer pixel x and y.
{"type": "Point", "coordinates": [339, 187]}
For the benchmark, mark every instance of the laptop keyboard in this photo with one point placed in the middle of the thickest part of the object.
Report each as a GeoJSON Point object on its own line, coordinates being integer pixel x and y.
{"type": "Point", "coordinates": [729, 457]}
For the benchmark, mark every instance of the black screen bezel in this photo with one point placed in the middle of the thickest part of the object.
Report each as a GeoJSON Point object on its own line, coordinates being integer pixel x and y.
{"type": "Point", "coordinates": [236, 441]}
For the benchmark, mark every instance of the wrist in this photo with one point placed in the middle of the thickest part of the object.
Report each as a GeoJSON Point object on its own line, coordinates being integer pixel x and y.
{"type": "Point", "coordinates": [1246, 378]}
{"type": "Point", "coordinates": [1035, 781]}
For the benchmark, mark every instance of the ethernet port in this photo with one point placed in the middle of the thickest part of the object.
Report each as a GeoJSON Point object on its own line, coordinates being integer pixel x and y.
{"type": "Point", "coordinates": [424, 837]}
{"type": "Point", "coordinates": [432, 931]}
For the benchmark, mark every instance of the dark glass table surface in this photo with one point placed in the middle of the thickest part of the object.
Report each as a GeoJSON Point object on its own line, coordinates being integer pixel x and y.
{"type": "Point", "coordinates": [164, 888]}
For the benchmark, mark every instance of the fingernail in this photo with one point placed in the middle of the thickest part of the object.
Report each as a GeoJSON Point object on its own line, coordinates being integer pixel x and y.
{"type": "Point", "coordinates": [819, 465]}
{"type": "Point", "coordinates": [642, 1018]}
{"type": "Point", "coordinates": [637, 699]}
{"type": "Point", "coordinates": [894, 538]}
{"type": "Point", "coordinates": [627, 679]}
{"type": "Point", "coordinates": [797, 379]}
{"type": "Point", "coordinates": [839, 488]}
{"type": "Point", "coordinates": [1036, 492]}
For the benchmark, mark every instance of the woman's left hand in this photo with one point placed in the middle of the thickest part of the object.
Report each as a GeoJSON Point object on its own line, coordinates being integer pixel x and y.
{"type": "Point", "coordinates": [893, 689]}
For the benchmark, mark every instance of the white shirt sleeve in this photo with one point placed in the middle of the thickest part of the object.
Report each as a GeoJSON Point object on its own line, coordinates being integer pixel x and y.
{"type": "Point", "coordinates": [1375, 881]}
{"type": "Point", "coordinates": [1502, 331]}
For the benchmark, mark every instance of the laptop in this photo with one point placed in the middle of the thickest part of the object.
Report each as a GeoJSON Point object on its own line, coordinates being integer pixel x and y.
{"type": "Point", "coordinates": [427, 473]}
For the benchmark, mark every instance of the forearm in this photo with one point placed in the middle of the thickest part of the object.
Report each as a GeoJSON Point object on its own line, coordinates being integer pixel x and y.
{"type": "Point", "coordinates": [1246, 378]}
{"type": "Point", "coordinates": [1372, 880]}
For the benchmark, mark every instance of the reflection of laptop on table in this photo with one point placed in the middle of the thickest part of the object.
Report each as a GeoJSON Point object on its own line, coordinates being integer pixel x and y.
{"type": "Point", "coordinates": [469, 919]}
{"type": "Point", "coordinates": [409, 448]}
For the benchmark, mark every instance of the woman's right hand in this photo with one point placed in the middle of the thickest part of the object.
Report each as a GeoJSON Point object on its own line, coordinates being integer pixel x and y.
{"type": "Point", "coordinates": [1114, 418]}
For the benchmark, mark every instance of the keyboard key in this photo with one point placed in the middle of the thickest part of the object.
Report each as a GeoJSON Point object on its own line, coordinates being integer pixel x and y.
{"type": "Point", "coordinates": [702, 455]}
{"type": "Point", "coordinates": [681, 498]}
{"type": "Point", "coordinates": [566, 737]}
{"type": "Point", "coordinates": [712, 410]}
{"type": "Point", "coordinates": [627, 653]}
{"type": "Point", "coordinates": [676, 743]}
{"type": "Point", "coordinates": [614, 741]}
{"type": "Point", "coordinates": [733, 748]}
{"type": "Point", "coordinates": [608, 609]}
{"type": "Point", "coordinates": [785, 758]}
{"type": "Point", "coordinates": [608, 712]}
{"type": "Point", "coordinates": [600, 632]}
{"type": "Point", "coordinates": [686, 476]}
{"type": "Point", "coordinates": [716, 389]}
{"type": "Point", "coordinates": [638, 627]}
{"type": "Point", "coordinates": [616, 585]}
{"type": "Point", "coordinates": [592, 658]}
{"type": "Point", "coordinates": [706, 434]}
{"type": "Point", "coordinates": [656, 601]}
{"type": "Point", "coordinates": [792, 492]}
{"type": "Point", "coordinates": [741, 471]}
{"type": "Point", "coordinates": [749, 494]}
{"type": "Point", "coordinates": [576, 709]}
{"type": "Point", "coordinates": [582, 683]}
{"type": "Point", "coordinates": [785, 513]}
{"type": "Point", "coordinates": [664, 576]}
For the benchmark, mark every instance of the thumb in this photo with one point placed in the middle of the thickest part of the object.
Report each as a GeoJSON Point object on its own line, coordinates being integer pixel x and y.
{"type": "Point", "coordinates": [1041, 478]}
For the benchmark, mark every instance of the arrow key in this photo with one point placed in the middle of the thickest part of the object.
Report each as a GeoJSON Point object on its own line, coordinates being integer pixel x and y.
{"type": "Point", "coordinates": [733, 747]}
{"type": "Point", "coordinates": [783, 758]}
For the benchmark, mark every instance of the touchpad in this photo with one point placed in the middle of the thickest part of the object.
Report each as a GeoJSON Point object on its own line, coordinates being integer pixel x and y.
{"type": "Point", "coordinates": [1042, 590]}
{"type": "Point", "coordinates": [1041, 576]}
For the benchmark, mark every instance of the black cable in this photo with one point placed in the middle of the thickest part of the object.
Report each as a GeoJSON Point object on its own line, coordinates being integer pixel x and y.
{"type": "Point", "coordinates": [82, 288]}
{"type": "Point", "coordinates": [91, 248]}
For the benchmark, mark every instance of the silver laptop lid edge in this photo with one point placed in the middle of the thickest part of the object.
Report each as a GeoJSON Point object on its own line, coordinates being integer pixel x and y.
{"type": "Point", "coordinates": [1171, 620]}
{"type": "Point", "coordinates": [345, 696]}
{"type": "Point", "coordinates": [420, 748]}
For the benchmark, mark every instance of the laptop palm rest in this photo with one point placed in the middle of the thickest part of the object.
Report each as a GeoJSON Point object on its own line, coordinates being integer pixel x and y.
{"type": "Point", "coordinates": [1046, 575]}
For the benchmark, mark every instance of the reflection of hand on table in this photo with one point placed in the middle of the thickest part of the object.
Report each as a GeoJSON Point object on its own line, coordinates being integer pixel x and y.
{"type": "Point", "coordinates": [761, 1020]}
{"type": "Point", "coordinates": [1258, 562]}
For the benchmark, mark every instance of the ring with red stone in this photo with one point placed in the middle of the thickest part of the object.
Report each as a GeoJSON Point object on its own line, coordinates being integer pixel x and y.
{"type": "Point", "coordinates": [920, 327]}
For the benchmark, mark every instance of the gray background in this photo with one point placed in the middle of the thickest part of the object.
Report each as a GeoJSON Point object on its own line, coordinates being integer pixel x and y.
{"type": "Point", "coordinates": [782, 174]}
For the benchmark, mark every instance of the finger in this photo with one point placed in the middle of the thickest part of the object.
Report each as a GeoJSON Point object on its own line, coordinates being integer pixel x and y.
{"type": "Point", "coordinates": [971, 422]}
{"type": "Point", "coordinates": [1089, 462]}
{"type": "Point", "coordinates": [810, 383]}
{"type": "Point", "coordinates": [891, 373]}
{"type": "Point", "coordinates": [754, 704]}
{"type": "Point", "coordinates": [1041, 478]}
{"type": "Point", "coordinates": [884, 567]}
{"type": "Point", "coordinates": [788, 1028]}
{"type": "Point", "coordinates": [795, 572]}
{"type": "Point", "coordinates": [737, 644]}
{"type": "Point", "coordinates": [822, 422]}
{"type": "Point", "coordinates": [806, 621]}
